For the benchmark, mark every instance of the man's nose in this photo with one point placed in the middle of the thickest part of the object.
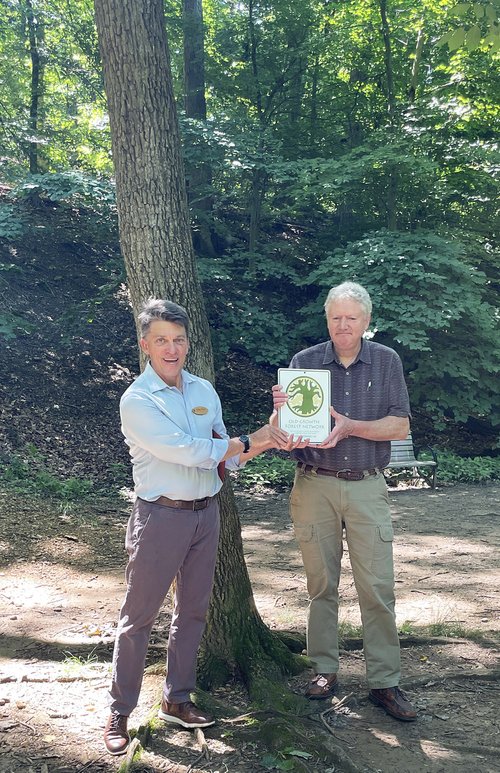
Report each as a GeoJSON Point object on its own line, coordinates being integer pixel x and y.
{"type": "Point", "coordinates": [343, 323]}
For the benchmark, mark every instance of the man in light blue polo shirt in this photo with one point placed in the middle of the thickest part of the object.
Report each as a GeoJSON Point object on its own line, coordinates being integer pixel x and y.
{"type": "Point", "coordinates": [172, 423]}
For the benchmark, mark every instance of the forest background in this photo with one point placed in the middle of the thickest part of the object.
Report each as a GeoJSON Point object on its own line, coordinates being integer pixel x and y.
{"type": "Point", "coordinates": [322, 141]}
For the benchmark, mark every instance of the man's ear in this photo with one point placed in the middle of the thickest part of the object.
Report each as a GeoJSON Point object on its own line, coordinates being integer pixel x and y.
{"type": "Point", "coordinates": [144, 345]}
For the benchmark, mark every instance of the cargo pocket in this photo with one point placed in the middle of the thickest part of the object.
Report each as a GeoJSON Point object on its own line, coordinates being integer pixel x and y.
{"type": "Point", "coordinates": [303, 532]}
{"type": "Point", "coordinates": [312, 556]}
{"type": "Point", "coordinates": [382, 553]}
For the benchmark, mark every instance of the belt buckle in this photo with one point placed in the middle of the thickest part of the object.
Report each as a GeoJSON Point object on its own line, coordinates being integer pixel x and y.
{"type": "Point", "coordinates": [343, 474]}
{"type": "Point", "coordinates": [200, 504]}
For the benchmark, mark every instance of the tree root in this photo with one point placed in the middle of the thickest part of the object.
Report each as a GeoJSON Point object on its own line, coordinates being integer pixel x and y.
{"type": "Point", "coordinates": [205, 752]}
{"type": "Point", "coordinates": [49, 679]}
{"type": "Point", "coordinates": [421, 681]}
{"type": "Point", "coordinates": [139, 742]}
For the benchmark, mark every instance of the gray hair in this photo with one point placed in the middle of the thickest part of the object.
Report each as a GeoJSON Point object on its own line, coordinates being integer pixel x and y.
{"type": "Point", "coordinates": [353, 291]}
{"type": "Point", "coordinates": [155, 308]}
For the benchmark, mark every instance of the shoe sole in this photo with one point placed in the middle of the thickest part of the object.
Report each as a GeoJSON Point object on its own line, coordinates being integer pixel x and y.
{"type": "Point", "coordinates": [329, 694]}
{"type": "Point", "coordinates": [388, 711]}
{"type": "Point", "coordinates": [187, 725]}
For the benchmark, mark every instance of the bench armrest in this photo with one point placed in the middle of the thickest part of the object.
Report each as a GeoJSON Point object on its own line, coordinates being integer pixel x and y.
{"type": "Point", "coordinates": [426, 448]}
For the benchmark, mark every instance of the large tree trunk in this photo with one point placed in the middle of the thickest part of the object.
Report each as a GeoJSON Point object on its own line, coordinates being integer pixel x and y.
{"type": "Point", "coordinates": [156, 243]}
{"type": "Point", "coordinates": [236, 641]}
{"type": "Point", "coordinates": [199, 174]}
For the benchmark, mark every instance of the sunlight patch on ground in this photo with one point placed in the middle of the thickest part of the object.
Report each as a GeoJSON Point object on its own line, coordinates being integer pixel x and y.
{"type": "Point", "coordinates": [388, 738]}
{"type": "Point", "coordinates": [437, 752]}
{"type": "Point", "coordinates": [46, 604]}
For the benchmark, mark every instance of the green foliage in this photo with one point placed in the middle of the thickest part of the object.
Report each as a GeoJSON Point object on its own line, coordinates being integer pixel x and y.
{"type": "Point", "coordinates": [299, 136]}
{"type": "Point", "coordinates": [266, 471]}
{"type": "Point", "coordinates": [452, 630]}
{"type": "Point", "coordinates": [458, 469]}
{"type": "Point", "coordinates": [75, 664]}
{"type": "Point", "coordinates": [430, 303]}
{"type": "Point", "coordinates": [481, 27]}
{"type": "Point", "coordinates": [12, 224]}
{"type": "Point", "coordinates": [71, 186]}
{"type": "Point", "coordinates": [26, 474]}
{"type": "Point", "coordinates": [12, 324]}
{"type": "Point", "coordinates": [284, 760]}
{"type": "Point", "coordinates": [71, 127]}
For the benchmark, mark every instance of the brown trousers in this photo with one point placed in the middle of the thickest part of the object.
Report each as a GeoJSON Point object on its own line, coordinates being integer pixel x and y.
{"type": "Point", "coordinates": [164, 543]}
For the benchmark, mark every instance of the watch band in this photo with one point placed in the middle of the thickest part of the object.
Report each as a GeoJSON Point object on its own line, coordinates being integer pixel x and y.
{"type": "Point", "coordinates": [246, 443]}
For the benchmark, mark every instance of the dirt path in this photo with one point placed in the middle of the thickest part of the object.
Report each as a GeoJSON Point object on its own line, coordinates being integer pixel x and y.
{"type": "Point", "coordinates": [61, 581]}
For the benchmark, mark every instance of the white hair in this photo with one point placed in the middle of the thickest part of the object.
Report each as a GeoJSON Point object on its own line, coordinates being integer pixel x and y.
{"type": "Point", "coordinates": [352, 290]}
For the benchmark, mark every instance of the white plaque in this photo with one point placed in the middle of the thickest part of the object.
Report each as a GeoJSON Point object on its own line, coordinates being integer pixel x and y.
{"type": "Point", "coordinates": [307, 411]}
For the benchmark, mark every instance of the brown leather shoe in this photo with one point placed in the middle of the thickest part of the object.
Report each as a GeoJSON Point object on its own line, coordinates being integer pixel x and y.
{"type": "Point", "coordinates": [116, 736]}
{"type": "Point", "coordinates": [321, 686]}
{"type": "Point", "coordinates": [185, 714]}
{"type": "Point", "coordinates": [394, 702]}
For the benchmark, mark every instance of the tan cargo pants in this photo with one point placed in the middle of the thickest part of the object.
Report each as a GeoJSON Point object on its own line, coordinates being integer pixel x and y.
{"type": "Point", "coordinates": [321, 508]}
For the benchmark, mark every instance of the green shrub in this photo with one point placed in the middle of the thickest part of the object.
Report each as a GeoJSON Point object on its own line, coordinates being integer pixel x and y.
{"type": "Point", "coordinates": [12, 224]}
{"type": "Point", "coordinates": [459, 469]}
{"type": "Point", "coordinates": [24, 475]}
{"type": "Point", "coordinates": [270, 471]}
{"type": "Point", "coordinates": [432, 304]}
{"type": "Point", "coordinates": [275, 471]}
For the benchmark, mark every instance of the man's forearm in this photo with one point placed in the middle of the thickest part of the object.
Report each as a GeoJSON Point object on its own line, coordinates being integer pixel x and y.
{"type": "Point", "coordinates": [388, 428]}
{"type": "Point", "coordinates": [258, 444]}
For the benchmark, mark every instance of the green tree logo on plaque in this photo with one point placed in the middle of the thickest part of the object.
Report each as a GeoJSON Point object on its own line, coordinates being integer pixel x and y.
{"type": "Point", "coordinates": [305, 396]}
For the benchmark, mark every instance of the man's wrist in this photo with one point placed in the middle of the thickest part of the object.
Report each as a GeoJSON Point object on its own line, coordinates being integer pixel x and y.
{"type": "Point", "coordinates": [246, 443]}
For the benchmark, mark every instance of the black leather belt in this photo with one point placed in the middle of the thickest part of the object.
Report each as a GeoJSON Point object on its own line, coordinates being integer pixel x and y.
{"type": "Point", "coordinates": [343, 474]}
{"type": "Point", "coordinates": [183, 504]}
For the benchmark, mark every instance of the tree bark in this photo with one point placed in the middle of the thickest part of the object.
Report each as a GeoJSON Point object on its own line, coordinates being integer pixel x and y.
{"type": "Point", "coordinates": [35, 37]}
{"type": "Point", "coordinates": [389, 74]}
{"type": "Point", "coordinates": [151, 199]}
{"type": "Point", "coordinates": [412, 91]}
{"type": "Point", "coordinates": [392, 182]}
{"type": "Point", "coordinates": [156, 243]}
{"type": "Point", "coordinates": [194, 59]}
{"type": "Point", "coordinates": [236, 641]}
{"type": "Point", "coordinates": [199, 175]}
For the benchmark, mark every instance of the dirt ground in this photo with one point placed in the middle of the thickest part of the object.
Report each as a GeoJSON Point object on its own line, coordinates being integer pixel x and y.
{"type": "Point", "coordinates": [61, 582]}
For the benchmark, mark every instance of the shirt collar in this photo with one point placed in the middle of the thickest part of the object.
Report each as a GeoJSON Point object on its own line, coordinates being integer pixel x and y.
{"type": "Point", "coordinates": [363, 354]}
{"type": "Point", "coordinates": [156, 384]}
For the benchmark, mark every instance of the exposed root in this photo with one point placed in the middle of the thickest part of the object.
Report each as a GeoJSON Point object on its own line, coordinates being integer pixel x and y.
{"type": "Point", "coordinates": [479, 674]}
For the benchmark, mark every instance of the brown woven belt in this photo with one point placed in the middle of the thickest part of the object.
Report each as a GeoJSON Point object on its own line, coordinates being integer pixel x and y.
{"type": "Point", "coordinates": [183, 504]}
{"type": "Point", "coordinates": [343, 474]}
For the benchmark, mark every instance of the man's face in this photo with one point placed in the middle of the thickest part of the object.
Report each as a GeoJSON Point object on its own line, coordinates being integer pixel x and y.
{"type": "Point", "coordinates": [166, 344]}
{"type": "Point", "coordinates": [347, 322]}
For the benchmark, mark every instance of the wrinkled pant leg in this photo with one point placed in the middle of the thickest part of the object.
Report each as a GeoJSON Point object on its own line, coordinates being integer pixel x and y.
{"type": "Point", "coordinates": [369, 535]}
{"type": "Point", "coordinates": [193, 589]}
{"type": "Point", "coordinates": [315, 512]}
{"type": "Point", "coordinates": [157, 541]}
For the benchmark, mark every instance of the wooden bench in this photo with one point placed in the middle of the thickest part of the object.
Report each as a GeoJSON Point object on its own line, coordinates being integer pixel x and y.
{"type": "Point", "coordinates": [403, 456]}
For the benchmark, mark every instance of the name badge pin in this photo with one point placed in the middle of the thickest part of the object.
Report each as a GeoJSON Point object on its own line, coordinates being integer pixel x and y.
{"type": "Point", "coordinates": [200, 410]}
